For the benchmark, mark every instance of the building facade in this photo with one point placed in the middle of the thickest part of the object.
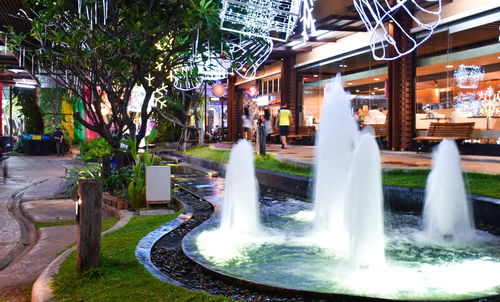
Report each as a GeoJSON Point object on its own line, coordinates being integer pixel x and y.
{"type": "Point", "coordinates": [454, 76]}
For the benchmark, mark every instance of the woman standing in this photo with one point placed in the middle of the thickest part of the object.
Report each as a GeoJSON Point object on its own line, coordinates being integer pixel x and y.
{"type": "Point", "coordinates": [268, 124]}
{"type": "Point", "coordinates": [246, 123]}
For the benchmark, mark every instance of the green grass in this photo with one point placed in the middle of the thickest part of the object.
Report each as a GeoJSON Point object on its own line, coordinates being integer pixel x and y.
{"type": "Point", "coordinates": [107, 223]}
{"type": "Point", "coordinates": [267, 162]}
{"type": "Point", "coordinates": [120, 277]}
{"type": "Point", "coordinates": [476, 183]}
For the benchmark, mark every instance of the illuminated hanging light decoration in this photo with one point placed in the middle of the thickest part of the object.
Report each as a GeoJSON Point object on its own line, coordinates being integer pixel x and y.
{"type": "Point", "coordinates": [92, 9]}
{"type": "Point", "coordinates": [272, 19]}
{"type": "Point", "coordinates": [375, 13]}
{"type": "Point", "coordinates": [490, 102]}
{"type": "Point", "coordinates": [468, 76]}
{"type": "Point", "coordinates": [248, 54]}
{"type": "Point", "coordinates": [308, 20]}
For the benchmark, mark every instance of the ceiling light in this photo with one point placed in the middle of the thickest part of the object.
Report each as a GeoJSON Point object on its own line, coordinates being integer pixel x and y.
{"type": "Point", "coordinates": [376, 88]}
{"type": "Point", "coordinates": [15, 70]}
{"type": "Point", "coordinates": [357, 90]}
{"type": "Point", "coordinates": [373, 92]}
{"type": "Point", "coordinates": [315, 75]}
{"type": "Point", "coordinates": [449, 66]}
{"type": "Point", "coordinates": [376, 79]}
{"type": "Point", "coordinates": [27, 86]}
{"type": "Point", "coordinates": [349, 83]}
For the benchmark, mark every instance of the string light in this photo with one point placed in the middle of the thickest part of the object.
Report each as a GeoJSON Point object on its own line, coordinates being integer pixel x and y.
{"type": "Point", "coordinates": [261, 18]}
{"type": "Point", "coordinates": [374, 13]}
{"type": "Point", "coordinates": [248, 54]}
{"type": "Point", "coordinates": [468, 76]}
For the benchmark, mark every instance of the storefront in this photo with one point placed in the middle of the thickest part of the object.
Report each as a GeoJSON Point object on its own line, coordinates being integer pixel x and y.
{"type": "Point", "coordinates": [458, 78]}
{"type": "Point", "coordinates": [454, 76]}
{"type": "Point", "coordinates": [364, 78]}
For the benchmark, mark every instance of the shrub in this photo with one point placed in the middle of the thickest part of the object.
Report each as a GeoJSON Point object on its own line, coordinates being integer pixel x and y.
{"type": "Point", "coordinates": [95, 149]}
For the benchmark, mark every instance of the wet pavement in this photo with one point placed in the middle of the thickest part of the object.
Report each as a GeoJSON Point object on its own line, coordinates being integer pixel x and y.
{"type": "Point", "coordinates": [24, 251]}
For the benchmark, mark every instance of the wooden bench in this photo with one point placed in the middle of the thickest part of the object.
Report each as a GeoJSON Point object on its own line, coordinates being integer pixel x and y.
{"type": "Point", "coordinates": [305, 134]}
{"type": "Point", "coordinates": [439, 131]}
{"type": "Point", "coordinates": [381, 133]}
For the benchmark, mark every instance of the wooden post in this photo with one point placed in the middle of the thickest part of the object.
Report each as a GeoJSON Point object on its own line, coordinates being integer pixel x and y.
{"type": "Point", "coordinates": [89, 226]}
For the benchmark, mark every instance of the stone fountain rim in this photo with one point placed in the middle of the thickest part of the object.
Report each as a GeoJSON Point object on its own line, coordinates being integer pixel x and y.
{"type": "Point", "coordinates": [268, 287]}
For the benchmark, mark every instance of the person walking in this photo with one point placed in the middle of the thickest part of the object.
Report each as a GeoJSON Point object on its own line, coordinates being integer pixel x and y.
{"type": "Point", "coordinates": [268, 124]}
{"type": "Point", "coordinates": [59, 137]}
{"type": "Point", "coordinates": [247, 123]}
{"type": "Point", "coordinates": [284, 115]}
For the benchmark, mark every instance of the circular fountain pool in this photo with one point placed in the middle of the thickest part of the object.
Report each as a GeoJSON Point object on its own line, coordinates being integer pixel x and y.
{"type": "Point", "coordinates": [284, 254]}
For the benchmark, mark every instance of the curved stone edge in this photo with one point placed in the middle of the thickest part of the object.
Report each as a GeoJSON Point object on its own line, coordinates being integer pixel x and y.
{"type": "Point", "coordinates": [146, 244]}
{"type": "Point", "coordinates": [41, 291]}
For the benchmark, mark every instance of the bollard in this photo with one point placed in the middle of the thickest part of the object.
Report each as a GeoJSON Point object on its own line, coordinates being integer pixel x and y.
{"type": "Point", "coordinates": [89, 226]}
{"type": "Point", "coordinates": [262, 140]}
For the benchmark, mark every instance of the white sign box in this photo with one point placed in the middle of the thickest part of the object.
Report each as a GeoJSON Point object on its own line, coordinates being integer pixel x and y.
{"type": "Point", "coordinates": [158, 183]}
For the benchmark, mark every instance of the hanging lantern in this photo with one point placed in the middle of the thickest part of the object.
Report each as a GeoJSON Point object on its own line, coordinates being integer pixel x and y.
{"type": "Point", "coordinates": [219, 90]}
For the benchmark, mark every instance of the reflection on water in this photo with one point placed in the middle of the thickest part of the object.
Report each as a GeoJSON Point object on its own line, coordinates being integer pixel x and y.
{"type": "Point", "coordinates": [416, 268]}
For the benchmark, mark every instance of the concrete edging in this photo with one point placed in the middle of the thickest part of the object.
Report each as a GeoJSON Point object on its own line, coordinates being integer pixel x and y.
{"type": "Point", "coordinates": [42, 292]}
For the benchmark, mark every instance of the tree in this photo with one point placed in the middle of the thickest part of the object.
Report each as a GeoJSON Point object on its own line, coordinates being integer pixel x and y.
{"type": "Point", "coordinates": [102, 49]}
{"type": "Point", "coordinates": [32, 113]}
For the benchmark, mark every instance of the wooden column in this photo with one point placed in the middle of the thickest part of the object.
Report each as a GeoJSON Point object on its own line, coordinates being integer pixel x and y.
{"type": "Point", "coordinates": [1, 120]}
{"type": "Point", "coordinates": [89, 225]}
{"type": "Point", "coordinates": [289, 89]}
{"type": "Point", "coordinates": [232, 109]}
{"type": "Point", "coordinates": [401, 90]}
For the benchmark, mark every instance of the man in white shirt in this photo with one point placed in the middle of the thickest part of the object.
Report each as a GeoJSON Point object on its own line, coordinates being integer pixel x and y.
{"type": "Point", "coordinates": [375, 116]}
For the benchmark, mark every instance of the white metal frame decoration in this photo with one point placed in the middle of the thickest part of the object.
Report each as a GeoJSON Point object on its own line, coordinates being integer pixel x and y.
{"type": "Point", "coordinates": [248, 54]}
{"type": "Point", "coordinates": [468, 76]}
{"type": "Point", "coordinates": [374, 13]}
{"type": "Point", "coordinates": [272, 19]}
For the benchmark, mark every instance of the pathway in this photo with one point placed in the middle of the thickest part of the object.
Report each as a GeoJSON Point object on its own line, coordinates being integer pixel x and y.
{"type": "Point", "coordinates": [24, 251]}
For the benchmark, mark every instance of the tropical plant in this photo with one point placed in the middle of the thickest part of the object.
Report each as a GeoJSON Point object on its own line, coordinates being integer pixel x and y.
{"type": "Point", "coordinates": [94, 150]}
{"type": "Point", "coordinates": [75, 174]}
{"type": "Point", "coordinates": [33, 121]}
{"type": "Point", "coordinates": [136, 191]}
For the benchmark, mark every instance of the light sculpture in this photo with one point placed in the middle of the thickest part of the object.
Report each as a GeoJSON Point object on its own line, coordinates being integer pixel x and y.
{"type": "Point", "coordinates": [468, 76]}
{"type": "Point", "coordinates": [272, 19]}
{"type": "Point", "coordinates": [307, 19]}
{"type": "Point", "coordinates": [248, 54]}
{"type": "Point", "coordinates": [375, 13]}
{"type": "Point", "coordinates": [491, 102]}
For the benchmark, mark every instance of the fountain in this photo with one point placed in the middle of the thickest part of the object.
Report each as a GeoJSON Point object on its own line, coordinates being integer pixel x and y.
{"type": "Point", "coordinates": [240, 211]}
{"type": "Point", "coordinates": [335, 144]}
{"type": "Point", "coordinates": [368, 252]}
{"type": "Point", "coordinates": [364, 210]}
{"type": "Point", "coordinates": [447, 213]}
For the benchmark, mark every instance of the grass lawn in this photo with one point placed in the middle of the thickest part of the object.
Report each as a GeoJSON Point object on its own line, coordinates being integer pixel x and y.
{"type": "Point", "coordinates": [476, 183]}
{"type": "Point", "coordinates": [121, 277]}
{"type": "Point", "coordinates": [107, 223]}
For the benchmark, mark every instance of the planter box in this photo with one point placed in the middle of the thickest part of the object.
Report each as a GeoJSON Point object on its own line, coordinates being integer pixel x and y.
{"type": "Point", "coordinates": [114, 202]}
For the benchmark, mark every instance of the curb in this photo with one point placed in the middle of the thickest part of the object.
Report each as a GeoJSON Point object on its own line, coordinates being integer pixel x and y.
{"type": "Point", "coordinates": [42, 292]}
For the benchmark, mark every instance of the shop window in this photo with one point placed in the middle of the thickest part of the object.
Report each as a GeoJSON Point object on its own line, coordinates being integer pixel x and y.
{"type": "Point", "coordinates": [364, 78]}
{"type": "Point", "coordinates": [458, 80]}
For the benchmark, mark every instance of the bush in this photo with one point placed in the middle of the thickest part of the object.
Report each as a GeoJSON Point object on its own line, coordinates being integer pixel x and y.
{"type": "Point", "coordinates": [95, 149]}
{"type": "Point", "coordinates": [115, 183]}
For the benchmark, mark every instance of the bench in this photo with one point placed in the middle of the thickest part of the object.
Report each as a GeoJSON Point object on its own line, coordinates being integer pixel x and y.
{"type": "Point", "coordinates": [439, 131]}
{"type": "Point", "coordinates": [305, 134]}
{"type": "Point", "coordinates": [381, 133]}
